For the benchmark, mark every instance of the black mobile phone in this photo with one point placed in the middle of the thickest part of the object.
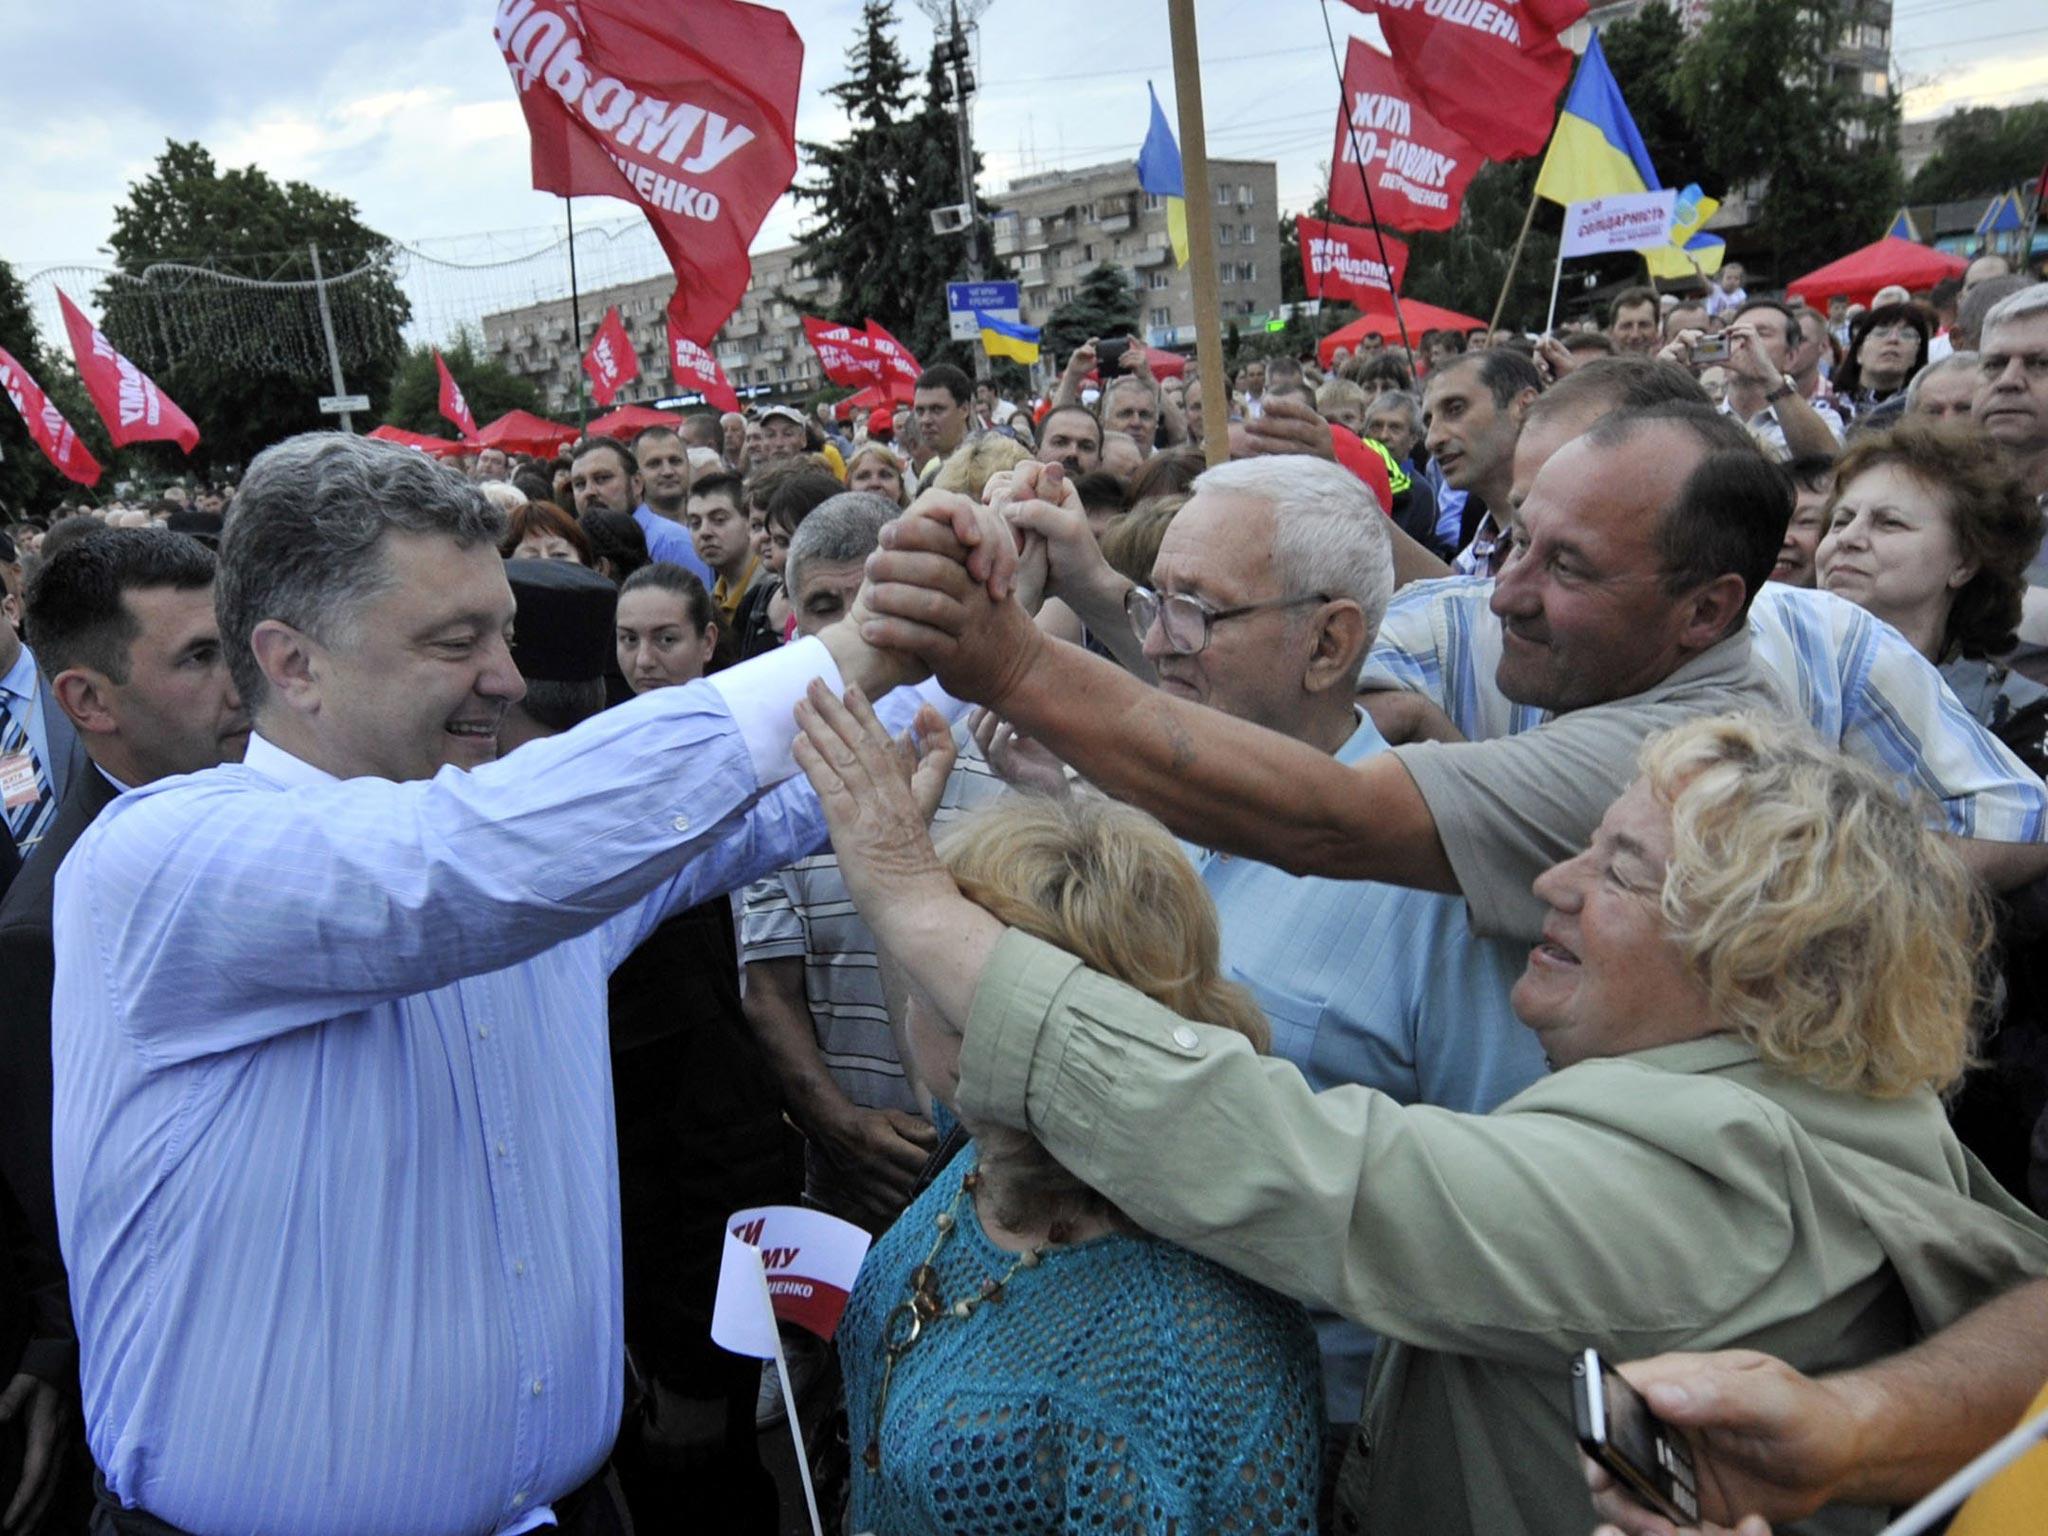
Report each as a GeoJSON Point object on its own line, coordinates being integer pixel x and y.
{"type": "Point", "coordinates": [1617, 1429]}
{"type": "Point", "coordinates": [1712, 349]}
{"type": "Point", "coordinates": [1109, 355]}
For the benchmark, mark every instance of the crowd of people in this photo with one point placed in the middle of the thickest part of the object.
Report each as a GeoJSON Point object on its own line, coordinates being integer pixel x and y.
{"type": "Point", "coordinates": [1542, 845]}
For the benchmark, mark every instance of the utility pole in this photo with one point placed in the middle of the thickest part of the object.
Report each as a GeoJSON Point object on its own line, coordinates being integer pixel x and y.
{"type": "Point", "coordinates": [951, 51]}
{"type": "Point", "coordinates": [348, 422]}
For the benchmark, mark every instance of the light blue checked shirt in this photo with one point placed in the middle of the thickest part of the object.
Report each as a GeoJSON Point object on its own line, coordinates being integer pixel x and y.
{"type": "Point", "coordinates": [334, 1155]}
{"type": "Point", "coordinates": [1373, 984]}
{"type": "Point", "coordinates": [1856, 678]}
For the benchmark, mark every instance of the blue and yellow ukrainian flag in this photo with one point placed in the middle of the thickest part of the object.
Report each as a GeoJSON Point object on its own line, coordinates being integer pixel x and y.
{"type": "Point", "coordinates": [999, 338]}
{"type": "Point", "coordinates": [1159, 176]}
{"type": "Point", "coordinates": [1597, 152]}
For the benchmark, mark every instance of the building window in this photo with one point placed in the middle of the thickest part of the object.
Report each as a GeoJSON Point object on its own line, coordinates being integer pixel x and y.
{"type": "Point", "coordinates": [1154, 202]}
{"type": "Point", "coordinates": [1088, 252]}
{"type": "Point", "coordinates": [1244, 195]}
{"type": "Point", "coordinates": [1063, 296]}
{"type": "Point", "coordinates": [1225, 234]}
{"type": "Point", "coordinates": [1222, 195]}
{"type": "Point", "coordinates": [1030, 261]}
{"type": "Point", "coordinates": [1158, 280]}
{"type": "Point", "coordinates": [1249, 235]}
{"type": "Point", "coordinates": [1162, 316]}
{"type": "Point", "coordinates": [1250, 272]}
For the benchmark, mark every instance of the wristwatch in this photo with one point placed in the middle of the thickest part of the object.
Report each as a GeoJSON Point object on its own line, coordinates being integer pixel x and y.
{"type": "Point", "coordinates": [1785, 387]}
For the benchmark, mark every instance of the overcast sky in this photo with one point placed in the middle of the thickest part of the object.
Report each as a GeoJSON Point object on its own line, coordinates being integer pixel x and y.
{"type": "Point", "coordinates": [405, 107]}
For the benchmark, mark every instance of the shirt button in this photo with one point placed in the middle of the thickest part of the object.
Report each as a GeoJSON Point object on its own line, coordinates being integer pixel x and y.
{"type": "Point", "coordinates": [1185, 1038]}
{"type": "Point", "coordinates": [536, 1386]}
{"type": "Point", "coordinates": [681, 823]}
{"type": "Point", "coordinates": [519, 1268]}
{"type": "Point", "coordinates": [501, 1149]}
{"type": "Point", "coordinates": [483, 1032]}
{"type": "Point", "coordinates": [518, 1499]}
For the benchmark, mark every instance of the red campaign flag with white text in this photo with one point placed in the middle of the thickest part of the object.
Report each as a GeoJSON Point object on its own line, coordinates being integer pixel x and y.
{"type": "Point", "coordinates": [46, 424]}
{"type": "Point", "coordinates": [896, 357]}
{"type": "Point", "coordinates": [1488, 70]}
{"type": "Point", "coordinates": [1419, 169]}
{"type": "Point", "coordinates": [611, 361]}
{"type": "Point", "coordinates": [845, 355]}
{"type": "Point", "coordinates": [687, 111]}
{"type": "Point", "coordinates": [694, 367]}
{"type": "Point", "coordinates": [454, 409]}
{"type": "Point", "coordinates": [128, 401]}
{"type": "Point", "coordinates": [1339, 262]}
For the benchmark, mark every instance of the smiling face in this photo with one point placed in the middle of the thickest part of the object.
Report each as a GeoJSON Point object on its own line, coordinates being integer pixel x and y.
{"type": "Point", "coordinates": [1635, 328]}
{"type": "Point", "coordinates": [659, 646]}
{"type": "Point", "coordinates": [1584, 613]}
{"type": "Point", "coordinates": [424, 676]}
{"type": "Point", "coordinates": [1794, 565]}
{"type": "Point", "coordinates": [1606, 979]}
{"type": "Point", "coordinates": [1469, 436]}
{"type": "Point", "coordinates": [1891, 548]}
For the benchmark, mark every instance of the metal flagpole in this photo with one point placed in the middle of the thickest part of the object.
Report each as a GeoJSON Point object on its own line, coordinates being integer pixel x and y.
{"type": "Point", "coordinates": [1364, 181]}
{"type": "Point", "coordinates": [1194, 173]}
{"type": "Point", "coordinates": [576, 315]}
{"type": "Point", "coordinates": [348, 422]}
{"type": "Point", "coordinates": [1556, 272]}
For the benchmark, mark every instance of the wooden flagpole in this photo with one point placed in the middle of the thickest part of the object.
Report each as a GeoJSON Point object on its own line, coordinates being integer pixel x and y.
{"type": "Point", "coordinates": [1194, 175]}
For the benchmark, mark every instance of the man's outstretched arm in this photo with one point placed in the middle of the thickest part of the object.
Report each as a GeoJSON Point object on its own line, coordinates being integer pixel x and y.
{"type": "Point", "coordinates": [1213, 779]}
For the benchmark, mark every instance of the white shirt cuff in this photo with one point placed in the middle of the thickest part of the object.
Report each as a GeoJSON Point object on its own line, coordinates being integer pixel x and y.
{"type": "Point", "coordinates": [929, 692]}
{"type": "Point", "coordinates": [762, 696]}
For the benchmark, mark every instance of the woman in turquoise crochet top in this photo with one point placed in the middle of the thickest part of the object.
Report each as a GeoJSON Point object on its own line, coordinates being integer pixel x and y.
{"type": "Point", "coordinates": [1018, 1358]}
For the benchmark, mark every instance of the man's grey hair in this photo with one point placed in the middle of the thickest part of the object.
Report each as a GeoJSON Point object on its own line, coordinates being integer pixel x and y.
{"type": "Point", "coordinates": [1329, 534]}
{"type": "Point", "coordinates": [839, 530]}
{"type": "Point", "coordinates": [2029, 301]}
{"type": "Point", "coordinates": [1975, 311]}
{"type": "Point", "coordinates": [1125, 381]}
{"type": "Point", "coordinates": [1955, 362]}
{"type": "Point", "coordinates": [302, 543]}
{"type": "Point", "coordinates": [1402, 401]}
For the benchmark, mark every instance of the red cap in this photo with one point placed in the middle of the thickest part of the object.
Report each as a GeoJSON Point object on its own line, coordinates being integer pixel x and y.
{"type": "Point", "coordinates": [882, 424]}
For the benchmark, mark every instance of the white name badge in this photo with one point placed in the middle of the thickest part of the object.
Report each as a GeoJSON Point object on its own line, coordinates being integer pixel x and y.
{"type": "Point", "coordinates": [18, 781]}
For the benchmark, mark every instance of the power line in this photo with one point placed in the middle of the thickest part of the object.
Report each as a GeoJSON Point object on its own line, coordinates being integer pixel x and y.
{"type": "Point", "coordinates": [1139, 69]}
{"type": "Point", "coordinates": [1963, 42]}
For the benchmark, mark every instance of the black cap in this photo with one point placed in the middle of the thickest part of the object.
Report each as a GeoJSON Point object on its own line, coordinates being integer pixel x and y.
{"type": "Point", "coordinates": [563, 633]}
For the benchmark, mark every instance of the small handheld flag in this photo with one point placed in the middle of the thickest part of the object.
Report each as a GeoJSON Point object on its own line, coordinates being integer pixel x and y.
{"type": "Point", "coordinates": [1001, 338]}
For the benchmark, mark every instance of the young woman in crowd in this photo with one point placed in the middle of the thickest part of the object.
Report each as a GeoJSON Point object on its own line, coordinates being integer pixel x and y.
{"type": "Point", "coordinates": [665, 631]}
{"type": "Point", "coordinates": [1018, 1356]}
{"type": "Point", "coordinates": [1753, 987]}
{"type": "Point", "coordinates": [877, 467]}
{"type": "Point", "coordinates": [1887, 346]}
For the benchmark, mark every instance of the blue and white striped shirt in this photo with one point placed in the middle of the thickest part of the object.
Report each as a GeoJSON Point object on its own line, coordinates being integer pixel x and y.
{"type": "Point", "coordinates": [1856, 678]}
{"type": "Point", "coordinates": [334, 1153]}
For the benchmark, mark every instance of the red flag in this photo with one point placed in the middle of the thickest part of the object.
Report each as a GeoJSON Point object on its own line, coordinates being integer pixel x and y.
{"type": "Point", "coordinates": [687, 111]}
{"type": "Point", "coordinates": [845, 354]}
{"type": "Point", "coordinates": [611, 361]}
{"type": "Point", "coordinates": [1488, 70]}
{"type": "Point", "coordinates": [1340, 262]}
{"type": "Point", "coordinates": [1419, 169]}
{"type": "Point", "coordinates": [896, 357]}
{"type": "Point", "coordinates": [454, 409]}
{"type": "Point", "coordinates": [694, 367]}
{"type": "Point", "coordinates": [128, 401]}
{"type": "Point", "coordinates": [46, 424]}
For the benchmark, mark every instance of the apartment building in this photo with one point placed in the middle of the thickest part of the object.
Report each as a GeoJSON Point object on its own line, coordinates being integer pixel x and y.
{"type": "Point", "coordinates": [1055, 226]}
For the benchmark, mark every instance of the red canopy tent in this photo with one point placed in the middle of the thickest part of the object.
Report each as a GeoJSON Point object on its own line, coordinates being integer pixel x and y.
{"type": "Point", "coordinates": [1858, 275]}
{"type": "Point", "coordinates": [439, 447]}
{"type": "Point", "coordinates": [524, 432]}
{"type": "Point", "coordinates": [628, 420]}
{"type": "Point", "coordinates": [894, 393]}
{"type": "Point", "coordinates": [1420, 317]}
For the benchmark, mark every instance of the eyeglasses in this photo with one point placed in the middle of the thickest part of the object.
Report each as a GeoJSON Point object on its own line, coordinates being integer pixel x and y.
{"type": "Point", "coordinates": [1187, 621]}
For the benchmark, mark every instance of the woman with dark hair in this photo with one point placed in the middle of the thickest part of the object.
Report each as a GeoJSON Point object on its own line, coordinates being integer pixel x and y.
{"type": "Point", "coordinates": [540, 530]}
{"type": "Point", "coordinates": [665, 629]}
{"type": "Point", "coordinates": [1887, 346]}
{"type": "Point", "coordinates": [617, 543]}
{"type": "Point", "coordinates": [1169, 472]}
{"type": "Point", "coordinates": [1929, 532]}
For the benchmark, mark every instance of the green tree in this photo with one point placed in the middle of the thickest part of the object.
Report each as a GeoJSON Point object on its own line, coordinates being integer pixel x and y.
{"type": "Point", "coordinates": [245, 362]}
{"type": "Point", "coordinates": [1771, 109]}
{"type": "Point", "coordinates": [1462, 268]}
{"type": "Point", "coordinates": [1982, 150]}
{"type": "Point", "coordinates": [1105, 304]}
{"type": "Point", "coordinates": [489, 387]}
{"type": "Point", "coordinates": [874, 191]}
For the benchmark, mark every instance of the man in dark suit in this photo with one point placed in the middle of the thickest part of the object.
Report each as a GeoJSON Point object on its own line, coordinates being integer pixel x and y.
{"type": "Point", "coordinates": [39, 750]}
{"type": "Point", "coordinates": [124, 634]}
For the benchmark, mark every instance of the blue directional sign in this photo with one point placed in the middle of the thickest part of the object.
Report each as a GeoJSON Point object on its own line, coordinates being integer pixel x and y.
{"type": "Point", "coordinates": [962, 299]}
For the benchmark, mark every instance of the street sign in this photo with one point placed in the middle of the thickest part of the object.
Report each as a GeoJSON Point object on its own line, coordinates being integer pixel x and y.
{"type": "Point", "coordinates": [962, 299]}
{"type": "Point", "coordinates": [341, 405]}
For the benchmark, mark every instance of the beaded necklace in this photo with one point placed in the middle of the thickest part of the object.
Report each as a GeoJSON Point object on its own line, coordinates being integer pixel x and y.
{"type": "Point", "coordinates": [907, 1320]}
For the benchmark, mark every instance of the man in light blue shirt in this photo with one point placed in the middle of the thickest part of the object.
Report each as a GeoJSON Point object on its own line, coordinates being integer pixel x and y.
{"type": "Point", "coordinates": [1269, 587]}
{"type": "Point", "coordinates": [333, 1154]}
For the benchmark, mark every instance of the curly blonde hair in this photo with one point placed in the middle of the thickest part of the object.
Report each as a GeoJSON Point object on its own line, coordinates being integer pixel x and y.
{"type": "Point", "coordinates": [970, 467]}
{"type": "Point", "coordinates": [1832, 929]}
{"type": "Point", "coordinates": [1110, 886]}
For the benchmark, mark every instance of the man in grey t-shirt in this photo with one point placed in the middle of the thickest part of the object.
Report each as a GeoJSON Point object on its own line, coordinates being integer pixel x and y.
{"type": "Point", "coordinates": [1639, 548]}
